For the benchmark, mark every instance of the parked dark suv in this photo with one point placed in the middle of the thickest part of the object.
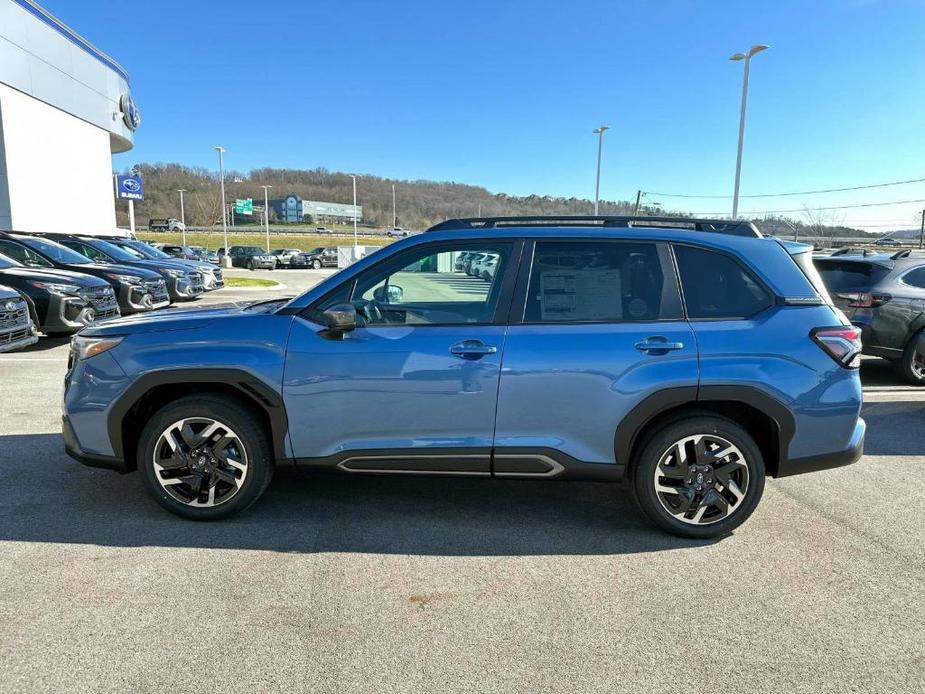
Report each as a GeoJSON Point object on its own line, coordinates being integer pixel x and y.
{"type": "Point", "coordinates": [884, 295]}
{"type": "Point", "coordinates": [692, 358]}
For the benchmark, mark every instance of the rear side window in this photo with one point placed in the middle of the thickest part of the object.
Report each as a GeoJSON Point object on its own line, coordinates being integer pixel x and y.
{"type": "Point", "coordinates": [716, 286]}
{"type": "Point", "coordinates": [840, 275]}
{"type": "Point", "coordinates": [915, 278]}
{"type": "Point", "coordinates": [576, 281]}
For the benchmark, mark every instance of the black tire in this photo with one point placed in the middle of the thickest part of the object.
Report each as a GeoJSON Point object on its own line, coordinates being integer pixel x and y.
{"type": "Point", "coordinates": [316, 264]}
{"type": "Point", "coordinates": [249, 265]}
{"type": "Point", "coordinates": [912, 364]}
{"type": "Point", "coordinates": [249, 430]}
{"type": "Point", "coordinates": [660, 443]}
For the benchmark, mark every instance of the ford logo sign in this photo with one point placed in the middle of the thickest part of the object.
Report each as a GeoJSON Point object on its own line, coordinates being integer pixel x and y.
{"type": "Point", "coordinates": [131, 185]}
{"type": "Point", "coordinates": [131, 116]}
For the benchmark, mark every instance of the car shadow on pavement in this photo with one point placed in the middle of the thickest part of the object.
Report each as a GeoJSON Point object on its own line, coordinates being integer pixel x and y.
{"type": "Point", "coordinates": [889, 424]}
{"type": "Point", "coordinates": [47, 497]}
{"type": "Point", "coordinates": [45, 343]}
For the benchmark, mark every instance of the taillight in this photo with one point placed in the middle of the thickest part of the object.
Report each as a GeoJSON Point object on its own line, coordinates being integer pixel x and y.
{"type": "Point", "coordinates": [869, 300]}
{"type": "Point", "coordinates": [842, 343]}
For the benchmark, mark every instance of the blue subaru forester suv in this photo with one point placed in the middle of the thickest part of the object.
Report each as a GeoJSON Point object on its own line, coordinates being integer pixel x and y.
{"type": "Point", "coordinates": [691, 358]}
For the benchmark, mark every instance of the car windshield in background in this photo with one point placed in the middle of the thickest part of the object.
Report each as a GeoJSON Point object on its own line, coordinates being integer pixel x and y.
{"type": "Point", "coordinates": [8, 262]}
{"type": "Point", "coordinates": [115, 252]}
{"type": "Point", "coordinates": [55, 251]}
{"type": "Point", "coordinates": [149, 251]}
{"type": "Point", "coordinates": [315, 251]}
{"type": "Point", "coordinates": [839, 275]}
{"type": "Point", "coordinates": [253, 250]}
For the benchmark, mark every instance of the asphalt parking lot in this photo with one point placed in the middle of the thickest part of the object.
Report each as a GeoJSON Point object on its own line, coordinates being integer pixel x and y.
{"type": "Point", "coordinates": [421, 585]}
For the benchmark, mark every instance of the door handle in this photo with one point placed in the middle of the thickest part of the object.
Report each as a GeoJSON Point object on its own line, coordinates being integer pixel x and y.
{"type": "Point", "coordinates": [658, 345]}
{"type": "Point", "coordinates": [472, 349]}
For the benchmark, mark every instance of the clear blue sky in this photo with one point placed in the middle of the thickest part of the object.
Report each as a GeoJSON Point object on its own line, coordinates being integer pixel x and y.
{"type": "Point", "coordinates": [505, 94]}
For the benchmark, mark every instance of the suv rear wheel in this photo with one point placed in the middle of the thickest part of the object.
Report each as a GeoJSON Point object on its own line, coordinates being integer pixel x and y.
{"type": "Point", "coordinates": [205, 457]}
{"type": "Point", "coordinates": [912, 363]}
{"type": "Point", "coordinates": [700, 477]}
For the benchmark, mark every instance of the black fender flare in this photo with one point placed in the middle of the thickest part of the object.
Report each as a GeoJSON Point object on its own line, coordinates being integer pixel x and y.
{"type": "Point", "coordinates": [915, 327]}
{"type": "Point", "coordinates": [251, 388]}
{"type": "Point", "coordinates": [661, 401]}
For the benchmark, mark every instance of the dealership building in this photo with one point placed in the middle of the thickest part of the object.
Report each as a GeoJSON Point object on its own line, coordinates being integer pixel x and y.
{"type": "Point", "coordinates": [292, 208]}
{"type": "Point", "coordinates": [65, 109]}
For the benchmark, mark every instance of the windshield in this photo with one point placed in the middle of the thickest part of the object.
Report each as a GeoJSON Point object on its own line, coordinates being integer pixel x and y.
{"type": "Point", "coordinates": [114, 251]}
{"type": "Point", "coordinates": [253, 250]}
{"type": "Point", "coordinates": [8, 262]}
{"type": "Point", "coordinates": [55, 251]}
{"type": "Point", "coordinates": [149, 251]}
{"type": "Point", "coordinates": [316, 251]}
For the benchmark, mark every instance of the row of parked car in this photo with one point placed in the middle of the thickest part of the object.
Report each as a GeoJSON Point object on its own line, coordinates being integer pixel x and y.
{"type": "Point", "coordinates": [255, 258]}
{"type": "Point", "coordinates": [57, 284]}
{"type": "Point", "coordinates": [478, 264]}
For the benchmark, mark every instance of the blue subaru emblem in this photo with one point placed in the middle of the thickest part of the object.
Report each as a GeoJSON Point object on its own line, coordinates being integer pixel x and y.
{"type": "Point", "coordinates": [131, 185]}
{"type": "Point", "coordinates": [131, 116]}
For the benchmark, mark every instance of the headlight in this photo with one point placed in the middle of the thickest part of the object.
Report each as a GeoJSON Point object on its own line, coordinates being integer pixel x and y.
{"type": "Point", "coordinates": [125, 279]}
{"type": "Point", "coordinates": [176, 274]}
{"type": "Point", "coordinates": [56, 288]}
{"type": "Point", "coordinates": [86, 347]}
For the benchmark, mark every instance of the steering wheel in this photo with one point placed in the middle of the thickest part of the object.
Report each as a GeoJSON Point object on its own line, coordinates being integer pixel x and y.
{"type": "Point", "coordinates": [370, 310]}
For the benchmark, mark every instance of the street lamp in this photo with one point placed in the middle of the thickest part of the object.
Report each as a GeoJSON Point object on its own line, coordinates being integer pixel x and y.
{"type": "Point", "coordinates": [355, 242]}
{"type": "Point", "coordinates": [226, 259]}
{"type": "Point", "coordinates": [394, 215]}
{"type": "Point", "coordinates": [266, 214]}
{"type": "Point", "coordinates": [600, 143]}
{"type": "Point", "coordinates": [747, 57]}
{"type": "Point", "coordinates": [182, 213]}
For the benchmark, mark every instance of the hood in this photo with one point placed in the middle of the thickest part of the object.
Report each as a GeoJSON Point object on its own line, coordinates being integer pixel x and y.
{"type": "Point", "coordinates": [8, 293]}
{"type": "Point", "coordinates": [116, 268]}
{"type": "Point", "coordinates": [161, 321]}
{"type": "Point", "coordinates": [52, 275]}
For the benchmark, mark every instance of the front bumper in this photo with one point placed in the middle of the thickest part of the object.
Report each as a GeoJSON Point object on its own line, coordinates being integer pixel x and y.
{"type": "Point", "coordinates": [260, 264]}
{"type": "Point", "coordinates": [68, 314]}
{"type": "Point", "coordinates": [814, 463]}
{"type": "Point", "coordinates": [72, 448]}
{"type": "Point", "coordinates": [187, 287]}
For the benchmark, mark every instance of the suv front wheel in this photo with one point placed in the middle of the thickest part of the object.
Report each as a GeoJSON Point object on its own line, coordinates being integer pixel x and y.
{"type": "Point", "coordinates": [205, 457]}
{"type": "Point", "coordinates": [699, 477]}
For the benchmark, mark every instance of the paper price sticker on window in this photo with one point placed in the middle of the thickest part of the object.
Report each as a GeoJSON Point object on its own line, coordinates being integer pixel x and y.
{"type": "Point", "coordinates": [581, 295]}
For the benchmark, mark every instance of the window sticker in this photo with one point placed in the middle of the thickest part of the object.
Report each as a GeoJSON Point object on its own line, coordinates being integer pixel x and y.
{"type": "Point", "coordinates": [586, 294]}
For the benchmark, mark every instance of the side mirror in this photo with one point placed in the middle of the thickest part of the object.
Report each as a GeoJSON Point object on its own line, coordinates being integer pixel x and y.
{"type": "Point", "coordinates": [389, 294]}
{"type": "Point", "coordinates": [340, 318]}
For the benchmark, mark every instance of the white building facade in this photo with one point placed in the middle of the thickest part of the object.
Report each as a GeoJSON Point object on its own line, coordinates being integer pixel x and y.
{"type": "Point", "coordinates": [65, 109]}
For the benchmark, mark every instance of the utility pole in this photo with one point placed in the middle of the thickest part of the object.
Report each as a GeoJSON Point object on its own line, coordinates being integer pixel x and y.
{"type": "Point", "coordinates": [600, 145]}
{"type": "Point", "coordinates": [922, 232]}
{"type": "Point", "coordinates": [394, 215]}
{"type": "Point", "coordinates": [182, 214]}
{"type": "Point", "coordinates": [266, 214]}
{"type": "Point", "coordinates": [638, 198]}
{"type": "Point", "coordinates": [356, 245]}
{"type": "Point", "coordinates": [226, 260]}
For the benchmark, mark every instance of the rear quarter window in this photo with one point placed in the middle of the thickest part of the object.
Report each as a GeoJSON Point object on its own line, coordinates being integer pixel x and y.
{"type": "Point", "coordinates": [839, 275]}
{"type": "Point", "coordinates": [717, 287]}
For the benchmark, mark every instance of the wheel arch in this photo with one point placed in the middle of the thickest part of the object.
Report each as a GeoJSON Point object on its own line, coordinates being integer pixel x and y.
{"type": "Point", "coordinates": [152, 391]}
{"type": "Point", "coordinates": [769, 421]}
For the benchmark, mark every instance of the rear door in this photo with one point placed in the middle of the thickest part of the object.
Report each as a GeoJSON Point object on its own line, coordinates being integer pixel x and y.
{"type": "Point", "coordinates": [597, 328]}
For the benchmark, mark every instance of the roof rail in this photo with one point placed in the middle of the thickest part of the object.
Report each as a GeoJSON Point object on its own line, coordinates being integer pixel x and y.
{"type": "Point", "coordinates": [721, 226]}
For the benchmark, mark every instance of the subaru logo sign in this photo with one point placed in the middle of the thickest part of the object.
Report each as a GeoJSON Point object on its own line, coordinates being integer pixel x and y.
{"type": "Point", "coordinates": [131, 116]}
{"type": "Point", "coordinates": [129, 188]}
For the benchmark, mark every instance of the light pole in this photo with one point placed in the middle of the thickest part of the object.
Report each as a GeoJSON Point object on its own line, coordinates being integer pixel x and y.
{"type": "Point", "coordinates": [266, 214]}
{"type": "Point", "coordinates": [394, 216]}
{"type": "Point", "coordinates": [600, 144]}
{"type": "Point", "coordinates": [747, 57]}
{"type": "Point", "coordinates": [182, 213]}
{"type": "Point", "coordinates": [226, 259]}
{"type": "Point", "coordinates": [355, 242]}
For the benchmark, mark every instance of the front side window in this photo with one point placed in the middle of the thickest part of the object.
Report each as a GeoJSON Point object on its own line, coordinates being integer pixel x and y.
{"type": "Point", "coordinates": [716, 286]}
{"type": "Point", "coordinates": [22, 254]}
{"type": "Point", "coordinates": [598, 281]}
{"type": "Point", "coordinates": [424, 287]}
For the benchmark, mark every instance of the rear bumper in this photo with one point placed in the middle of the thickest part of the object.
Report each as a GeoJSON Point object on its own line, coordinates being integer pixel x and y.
{"type": "Point", "coordinates": [72, 448]}
{"type": "Point", "coordinates": [799, 466]}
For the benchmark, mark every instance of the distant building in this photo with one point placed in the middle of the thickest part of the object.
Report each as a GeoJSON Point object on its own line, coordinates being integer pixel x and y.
{"type": "Point", "coordinates": [292, 208]}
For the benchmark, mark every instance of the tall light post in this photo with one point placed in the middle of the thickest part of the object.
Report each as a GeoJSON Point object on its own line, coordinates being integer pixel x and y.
{"type": "Point", "coordinates": [266, 213]}
{"type": "Point", "coordinates": [747, 57]}
{"type": "Point", "coordinates": [600, 144]}
{"type": "Point", "coordinates": [394, 215]}
{"type": "Point", "coordinates": [182, 213]}
{"type": "Point", "coordinates": [356, 244]}
{"type": "Point", "coordinates": [226, 259]}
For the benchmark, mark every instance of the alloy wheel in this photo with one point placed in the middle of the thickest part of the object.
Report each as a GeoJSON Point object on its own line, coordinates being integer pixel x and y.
{"type": "Point", "coordinates": [701, 479]}
{"type": "Point", "coordinates": [917, 365]}
{"type": "Point", "coordinates": [200, 462]}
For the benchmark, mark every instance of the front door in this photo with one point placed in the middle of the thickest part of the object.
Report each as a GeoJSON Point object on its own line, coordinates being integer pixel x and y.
{"type": "Point", "coordinates": [414, 387]}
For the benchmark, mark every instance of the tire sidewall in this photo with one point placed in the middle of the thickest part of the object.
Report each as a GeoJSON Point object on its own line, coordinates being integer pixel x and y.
{"type": "Point", "coordinates": [658, 443]}
{"type": "Point", "coordinates": [906, 364]}
{"type": "Point", "coordinates": [242, 421]}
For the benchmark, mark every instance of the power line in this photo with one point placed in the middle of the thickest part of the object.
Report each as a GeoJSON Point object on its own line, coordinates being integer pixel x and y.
{"type": "Point", "coordinates": [782, 195]}
{"type": "Point", "coordinates": [814, 209]}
